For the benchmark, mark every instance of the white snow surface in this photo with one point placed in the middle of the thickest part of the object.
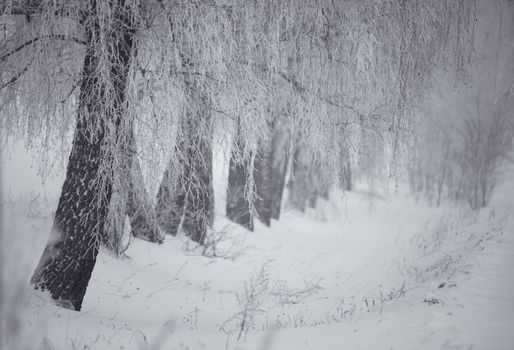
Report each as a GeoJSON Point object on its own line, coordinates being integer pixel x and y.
{"type": "Point", "coordinates": [352, 274]}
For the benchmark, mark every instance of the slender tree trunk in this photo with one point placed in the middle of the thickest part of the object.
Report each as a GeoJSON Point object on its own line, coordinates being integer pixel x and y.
{"type": "Point", "coordinates": [348, 184]}
{"type": "Point", "coordinates": [279, 159]}
{"type": "Point", "coordinates": [299, 186]}
{"type": "Point", "coordinates": [238, 208]}
{"type": "Point", "coordinates": [346, 171]}
{"type": "Point", "coordinates": [69, 257]}
{"type": "Point", "coordinates": [263, 182]}
{"type": "Point", "coordinates": [317, 186]}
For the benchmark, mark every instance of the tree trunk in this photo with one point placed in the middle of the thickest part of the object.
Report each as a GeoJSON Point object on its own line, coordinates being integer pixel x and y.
{"type": "Point", "coordinates": [238, 209]}
{"type": "Point", "coordinates": [279, 160]}
{"type": "Point", "coordinates": [140, 210]}
{"type": "Point", "coordinates": [199, 210]}
{"type": "Point", "coordinates": [112, 235]}
{"type": "Point", "coordinates": [263, 182]}
{"type": "Point", "coordinates": [346, 170]}
{"type": "Point", "coordinates": [348, 185]}
{"type": "Point", "coordinates": [299, 183]}
{"type": "Point", "coordinates": [186, 190]}
{"type": "Point", "coordinates": [270, 167]}
{"type": "Point", "coordinates": [69, 257]}
{"type": "Point", "coordinates": [129, 198]}
{"type": "Point", "coordinates": [171, 199]}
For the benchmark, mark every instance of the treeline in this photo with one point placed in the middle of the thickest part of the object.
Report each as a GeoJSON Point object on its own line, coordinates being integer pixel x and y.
{"type": "Point", "coordinates": [465, 133]}
{"type": "Point", "coordinates": [299, 87]}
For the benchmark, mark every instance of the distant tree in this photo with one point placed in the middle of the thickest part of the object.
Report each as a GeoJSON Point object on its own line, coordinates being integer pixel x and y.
{"type": "Point", "coordinates": [186, 195]}
{"type": "Point", "coordinates": [280, 153]}
{"type": "Point", "coordinates": [263, 181]}
{"type": "Point", "coordinates": [186, 189]}
{"type": "Point", "coordinates": [299, 182]}
{"type": "Point", "coordinates": [346, 172]}
{"type": "Point", "coordinates": [464, 134]}
{"type": "Point", "coordinates": [309, 180]}
{"type": "Point", "coordinates": [238, 207]}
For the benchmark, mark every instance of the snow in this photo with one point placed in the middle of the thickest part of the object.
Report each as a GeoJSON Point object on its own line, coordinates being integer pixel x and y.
{"type": "Point", "coordinates": [392, 275]}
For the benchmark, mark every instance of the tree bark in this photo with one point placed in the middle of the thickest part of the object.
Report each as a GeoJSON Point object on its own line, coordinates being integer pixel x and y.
{"type": "Point", "coordinates": [270, 167]}
{"type": "Point", "coordinates": [238, 208]}
{"type": "Point", "coordinates": [186, 190]}
{"type": "Point", "coordinates": [199, 209]}
{"type": "Point", "coordinates": [279, 159]}
{"type": "Point", "coordinates": [346, 170]}
{"type": "Point", "coordinates": [299, 184]}
{"type": "Point", "coordinates": [69, 257]}
{"type": "Point", "coordinates": [263, 182]}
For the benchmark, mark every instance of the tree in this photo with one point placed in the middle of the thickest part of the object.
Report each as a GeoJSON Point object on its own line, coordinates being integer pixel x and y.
{"type": "Point", "coordinates": [299, 181]}
{"type": "Point", "coordinates": [69, 257]}
{"type": "Point", "coordinates": [186, 189]}
{"type": "Point", "coordinates": [238, 208]}
{"type": "Point", "coordinates": [130, 198]}
{"type": "Point", "coordinates": [270, 168]}
{"type": "Point", "coordinates": [280, 142]}
{"type": "Point", "coordinates": [346, 170]}
{"type": "Point", "coordinates": [263, 181]}
{"type": "Point", "coordinates": [465, 130]}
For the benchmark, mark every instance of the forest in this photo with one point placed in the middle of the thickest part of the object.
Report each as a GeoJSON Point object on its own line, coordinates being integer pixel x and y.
{"type": "Point", "coordinates": [268, 174]}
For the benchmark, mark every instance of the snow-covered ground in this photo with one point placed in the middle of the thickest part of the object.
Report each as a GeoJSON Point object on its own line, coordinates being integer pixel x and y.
{"type": "Point", "coordinates": [353, 274]}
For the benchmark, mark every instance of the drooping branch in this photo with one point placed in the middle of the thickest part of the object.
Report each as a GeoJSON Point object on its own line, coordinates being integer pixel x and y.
{"type": "Point", "coordinates": [36, 39]}
{"type": "Point", "coordinates": [16, 77]}
{"type": "Point", "coordinates": [238, 208]}
{"type": "Point", "coordinates": [30, 8]}
{"type": "Point", "coordinates": [186, 194]}
{"type": "Point", "coordinates": [69, 257]}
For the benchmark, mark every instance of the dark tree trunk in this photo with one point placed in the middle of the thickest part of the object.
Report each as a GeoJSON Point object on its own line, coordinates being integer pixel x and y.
{"type": "Point", "coordinates": [318, 187]}
{"type": "Point", "coordinates": [279, 159]}
{"type": "Point", "coordinates": [199, 210]}
{"type": "Point", "coordinates": [171, 199]}
{"type": "Point", "coordinates": [345, 179]}
{"type": "Point", "coordinates": [347, 175]}
{"type": "Point", "coordinates": [186, 190]}
{"type": "Point", "coordinates": [299, 186]}
{"type": "Point", "coordinates": [238, 209]}
{"type": "Point", "coordinates": [140, 210]}
{"type": "Point", "coordinates": [308, 181]}
{"type": "Point", "coordinates": [263, 182]}
{"type": "Point", "coordinates": [320, 181]}
{"type": "Point", "coordinates": [70, 254]}
{"type": "Point", "coordinates": [270, 167]}
{"type": "Point", "coordinates": [69, 257]}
